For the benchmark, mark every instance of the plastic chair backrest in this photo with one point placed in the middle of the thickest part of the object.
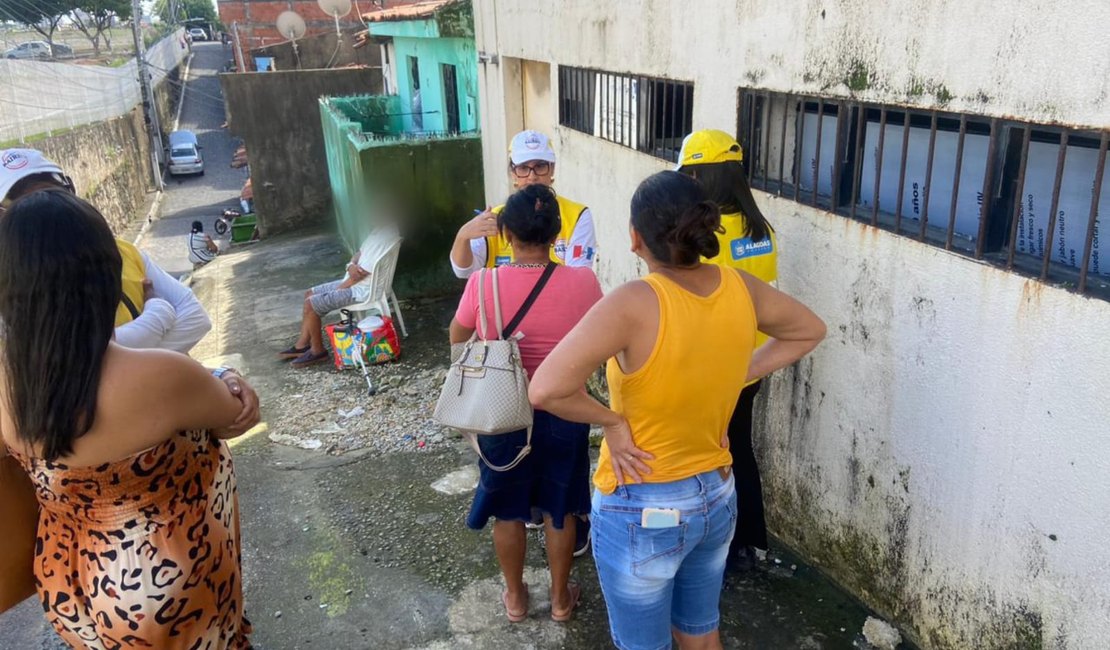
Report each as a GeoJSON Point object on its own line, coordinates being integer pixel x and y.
{"type": "Point", "coordinates": [382, 279]}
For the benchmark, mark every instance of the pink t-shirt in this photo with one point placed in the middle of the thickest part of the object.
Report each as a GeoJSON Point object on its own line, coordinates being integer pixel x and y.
{"type": "Point", "coordinates": [569, 294]}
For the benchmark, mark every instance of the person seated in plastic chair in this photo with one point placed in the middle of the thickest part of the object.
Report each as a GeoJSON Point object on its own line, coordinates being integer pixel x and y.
{"type": "Point", "coordinates": [321, 300]}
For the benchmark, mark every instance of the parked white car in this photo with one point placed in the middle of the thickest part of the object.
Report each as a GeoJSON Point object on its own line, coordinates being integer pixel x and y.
{"type": "Point", "coordinates": [185, 156]}
{"type": "Point", "coordinates": [198, 34]}
{"type": "Point", "coordinates": [37, 50]}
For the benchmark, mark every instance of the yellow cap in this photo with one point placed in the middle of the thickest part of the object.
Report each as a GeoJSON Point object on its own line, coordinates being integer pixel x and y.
{"type": "Point", "coordinates": [709, 146]}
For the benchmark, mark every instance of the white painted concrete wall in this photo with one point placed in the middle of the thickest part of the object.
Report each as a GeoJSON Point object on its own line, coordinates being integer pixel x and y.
{"type": "Point", "coordinates": [945, 453]}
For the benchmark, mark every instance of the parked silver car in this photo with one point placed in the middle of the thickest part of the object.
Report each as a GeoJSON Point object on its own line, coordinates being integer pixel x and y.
{"type": "Point", "coordinates": [198, 34]}
{"type": "Point", "coordinates": [37, 50]}
{"type": "Point", "coordinates": [185, 156]}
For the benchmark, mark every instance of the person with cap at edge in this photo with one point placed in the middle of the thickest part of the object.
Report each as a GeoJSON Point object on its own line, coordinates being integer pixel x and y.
{"type": "Point", "coordinates": [478, 244]}
{"type": "Point", "coordinates": [747, 242]}
{"type": "Point", "coordinates": [157, 311]}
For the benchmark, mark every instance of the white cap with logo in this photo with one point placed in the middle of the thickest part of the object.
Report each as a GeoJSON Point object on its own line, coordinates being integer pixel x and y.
{"type": "Point", "coordinates": [17, 164]}
{"type": "Point", "coordinates": [530, 145]}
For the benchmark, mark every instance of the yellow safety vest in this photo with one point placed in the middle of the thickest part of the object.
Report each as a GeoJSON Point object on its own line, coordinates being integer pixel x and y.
{"type": "Point", "coordinates": [498, 250]}
{"type": "Point", "coordinates": [134, 272]}
{"type": "Point", "coordinates": [738, 251]}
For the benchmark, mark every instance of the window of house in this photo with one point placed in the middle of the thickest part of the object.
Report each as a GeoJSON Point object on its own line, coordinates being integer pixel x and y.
{"type": "Point", "coordinates": [1023, 196]}
{"type": "Point", "coordinates": [647, 114]}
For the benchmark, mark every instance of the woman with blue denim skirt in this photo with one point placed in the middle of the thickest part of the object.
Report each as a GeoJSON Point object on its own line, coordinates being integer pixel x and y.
{"type": "Point", "coordinates": [680, 345]}
{"type": "Point", "coordinates": [551, 482]}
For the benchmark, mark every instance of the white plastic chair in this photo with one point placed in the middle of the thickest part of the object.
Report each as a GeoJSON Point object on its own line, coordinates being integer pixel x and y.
{"type": "Point", "coordinates": [381, 289]}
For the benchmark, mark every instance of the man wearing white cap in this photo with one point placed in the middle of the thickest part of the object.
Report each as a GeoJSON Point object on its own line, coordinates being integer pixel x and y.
{"type": "Point", "coordinates": [157, 311]}
{"type": "Point", "coordinates": [478, 243]}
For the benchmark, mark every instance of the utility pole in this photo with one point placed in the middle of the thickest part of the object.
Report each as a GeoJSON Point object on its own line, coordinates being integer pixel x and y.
{"type": "Point", "coordinates": [239, 62]}
{"type": "Point", "coordinates": [150, 108]}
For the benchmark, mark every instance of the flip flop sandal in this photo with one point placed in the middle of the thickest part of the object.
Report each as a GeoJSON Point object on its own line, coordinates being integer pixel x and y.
{"type": "Point", "coordinates": [575, 598]}
{"type": "Point", "coordinates": [515, 617]}
{"type": "Point", "coordinates": [309, 359]}
{"type": "Point", "coordinates": [292, 352]}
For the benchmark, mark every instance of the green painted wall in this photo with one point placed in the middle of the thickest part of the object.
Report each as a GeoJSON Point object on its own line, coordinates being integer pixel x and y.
{"type": "Point", "coordinates": [435, 186]}
{"type": "Point", "coordinates": [431, 55]}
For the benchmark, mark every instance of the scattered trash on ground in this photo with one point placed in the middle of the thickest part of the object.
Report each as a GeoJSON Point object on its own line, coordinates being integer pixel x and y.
{"type": "Point", "coordinates": [881, 634]}
{"type": "Point", "coordinates": [310, 444]}
{"type": "Point", "coordinates": [342, 420]}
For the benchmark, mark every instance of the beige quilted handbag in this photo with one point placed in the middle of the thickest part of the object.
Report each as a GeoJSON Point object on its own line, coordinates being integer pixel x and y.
{"type": "Point", "coordinates": [486, 389]}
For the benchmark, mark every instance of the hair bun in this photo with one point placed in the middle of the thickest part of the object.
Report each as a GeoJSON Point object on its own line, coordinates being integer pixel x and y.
{"type": "Point", "coordinates": [695, 233]}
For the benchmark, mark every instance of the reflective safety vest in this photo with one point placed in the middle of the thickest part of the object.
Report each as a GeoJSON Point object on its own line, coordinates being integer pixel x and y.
{"type": "Point", "coordinates": [498, 250]}
{"type": "Point", "coordinates": [134, 272]}
{"type": "Point", "coordinates": [738, 251]}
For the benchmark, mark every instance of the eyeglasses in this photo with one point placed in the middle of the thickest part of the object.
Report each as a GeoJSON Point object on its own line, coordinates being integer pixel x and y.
{"type": "Point", "coordinates": [540, 168]}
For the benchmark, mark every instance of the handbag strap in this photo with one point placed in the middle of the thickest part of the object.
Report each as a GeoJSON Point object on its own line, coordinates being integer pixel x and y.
{"type": "Point", "coordinates": [528, 302]}
{"type": "Point", "coordinates": [527, 449]}
{"type": "Point", "coordinates": [496, 303]}
{"type": "Point", "coordinates": [131, 308]}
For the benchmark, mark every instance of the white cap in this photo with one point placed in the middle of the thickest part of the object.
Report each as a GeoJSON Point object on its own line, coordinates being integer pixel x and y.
{"type": "Point", "coordinates": [530, 145]}
{"type": "Point", "coordinates": [17, 164]}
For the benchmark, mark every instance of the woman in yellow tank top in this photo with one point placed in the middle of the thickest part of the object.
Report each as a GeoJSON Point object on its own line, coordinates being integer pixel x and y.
{"type": "Point", "coordinates": [680, 345]}
{"type": "Point", "coordinates": [748, 243]}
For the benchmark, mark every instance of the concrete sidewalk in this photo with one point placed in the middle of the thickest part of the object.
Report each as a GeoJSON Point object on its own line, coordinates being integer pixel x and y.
{"type": "Point", "coordinates": [351, 546]}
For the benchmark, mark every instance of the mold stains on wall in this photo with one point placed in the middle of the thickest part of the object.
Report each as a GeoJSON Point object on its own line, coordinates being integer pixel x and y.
{"type": "Point", "coordinates": [858, 77]}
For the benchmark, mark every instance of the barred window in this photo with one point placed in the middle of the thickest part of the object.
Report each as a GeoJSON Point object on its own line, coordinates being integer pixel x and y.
{"type": "Point", "coordinates": [1026, 197]}
{"type": "Point", "coordinates": [647, 114]}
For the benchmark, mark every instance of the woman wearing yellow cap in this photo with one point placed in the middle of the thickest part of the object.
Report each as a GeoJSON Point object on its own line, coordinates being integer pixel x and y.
{"type": "Point", "coordinates": [747, 242]}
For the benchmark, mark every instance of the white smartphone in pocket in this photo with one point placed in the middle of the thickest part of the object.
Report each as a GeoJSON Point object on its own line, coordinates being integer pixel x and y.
{"type": "Point", "coordinates": [659, 518]}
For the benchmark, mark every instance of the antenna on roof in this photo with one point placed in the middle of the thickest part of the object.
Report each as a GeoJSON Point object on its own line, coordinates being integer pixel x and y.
{"type": "Point", "coordinates": [292, 26]}
{"type": "Point", "coordinates": [336, 9]}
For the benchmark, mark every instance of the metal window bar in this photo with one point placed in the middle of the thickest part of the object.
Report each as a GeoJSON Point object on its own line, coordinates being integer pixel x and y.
{"type": "Point", "coordinates": [648, 128]}
{"type": "Point", "coordinates": [878, 167]}
{"type": "Point", "coordinates": [861, 114]}
{"type": "Point", "coordinates": [669, 142]}
{"type": "Point", "coordinates": [817, 152]}
{"type": "Point", "coordinates": [956, 184]}
{"type": "Point", "coordinates": [928, 175]}
{"type": "Point", "coordinates": [1048, 240]}
{"type": "Point", "coordinates": [838, 156]}
{"type": "Point", "coordinates": [800, 120]}
{"type": "Point", "coordinates": [988, 190]}
{"type": "Point", "coordinates": [1018, 188]}
{"type": "Point", "coordinates": [765, 124]}
{"type": "Point", "coordinates": [750, 139]}
{"type": "Point", "coordinates": [782, 141]}
{"type": "Point", "coordinates": [687, 117]}
{"type": "Point", "coordinates": [1092, 219]}
{"type": "Point", "coordinates": [902, 173]}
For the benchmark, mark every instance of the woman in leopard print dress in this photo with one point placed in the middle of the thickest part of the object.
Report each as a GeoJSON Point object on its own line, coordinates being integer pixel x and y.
{"type": "Point", "coordinates": [138, 541]}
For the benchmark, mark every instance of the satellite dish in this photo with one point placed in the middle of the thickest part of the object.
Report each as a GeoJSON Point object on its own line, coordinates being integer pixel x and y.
{"type": "Point", "coordinates": [291, 25]}
{"type": "Point", "coordinates": [336, 9]}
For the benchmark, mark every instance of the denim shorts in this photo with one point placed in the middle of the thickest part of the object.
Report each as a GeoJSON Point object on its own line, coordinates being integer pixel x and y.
{"type": "Point", "coordinates": [654, 579]}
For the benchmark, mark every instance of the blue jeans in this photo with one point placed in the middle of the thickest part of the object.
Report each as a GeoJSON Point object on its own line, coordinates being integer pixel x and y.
{"type": "Point", "coordinates": [654, 579]}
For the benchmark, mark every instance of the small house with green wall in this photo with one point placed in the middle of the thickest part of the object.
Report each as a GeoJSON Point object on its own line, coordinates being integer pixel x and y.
{"type": "Point", "coordinates": [415, 152]}
{"type": "Point", "coordinates": [430, 63]}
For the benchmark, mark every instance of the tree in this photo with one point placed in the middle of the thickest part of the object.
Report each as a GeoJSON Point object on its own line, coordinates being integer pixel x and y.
{"type": "Point", "coordinates": [94, 19]}
{"type": "Point", "coordinates": [42, 16]}
{"type": "Point", "coordinates": [186, 9]}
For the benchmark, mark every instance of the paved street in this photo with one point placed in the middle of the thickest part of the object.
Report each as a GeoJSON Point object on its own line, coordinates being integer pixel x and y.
{"type": "Point", "coordinates": [199, 198]}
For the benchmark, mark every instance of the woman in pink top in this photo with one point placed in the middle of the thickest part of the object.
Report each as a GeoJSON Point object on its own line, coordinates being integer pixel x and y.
{"type": "Point", "coordinates": [553, 480]}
